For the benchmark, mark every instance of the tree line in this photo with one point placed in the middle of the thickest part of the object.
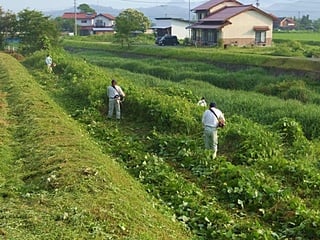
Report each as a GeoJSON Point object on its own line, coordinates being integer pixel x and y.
{"type": "Point", "coordinates": [35, 31]}
{"type": "Point", "coordinates": [305, 23]}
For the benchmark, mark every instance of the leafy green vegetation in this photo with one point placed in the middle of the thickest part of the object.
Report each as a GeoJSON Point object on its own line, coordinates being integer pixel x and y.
{"type": "Point", "coordinates": [252, 79]}
{"type": "Point", "coordinates": [129, 23]}
{"type": "Point", "coordinates": [264, 183]}
{"type": "Point", "coordinates": [63, 186]}
{"type": "Point", "coordinates": [247, 57]}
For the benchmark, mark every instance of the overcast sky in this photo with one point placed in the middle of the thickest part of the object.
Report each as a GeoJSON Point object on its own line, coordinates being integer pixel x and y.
{"type": "Point", "coordinates": [49, 5]}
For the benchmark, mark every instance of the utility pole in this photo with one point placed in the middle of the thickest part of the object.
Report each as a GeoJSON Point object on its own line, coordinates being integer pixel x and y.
{"type": "Point", "coordinates": [189, 22]}
{"type": "Point", "coordinates": [75, 17]}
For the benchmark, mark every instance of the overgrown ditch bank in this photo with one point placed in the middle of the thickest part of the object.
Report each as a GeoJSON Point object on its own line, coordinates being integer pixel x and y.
{"type": "Point", "coordinates": [55, 181]}
{"type": "Point", "coordinates": [262, 176]}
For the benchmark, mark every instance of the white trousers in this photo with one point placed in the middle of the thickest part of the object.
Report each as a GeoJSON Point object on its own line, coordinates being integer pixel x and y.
{"type": "Point", "coordinates": [114, 104]}
{"type": "Point", "coordinates": [211, 138]}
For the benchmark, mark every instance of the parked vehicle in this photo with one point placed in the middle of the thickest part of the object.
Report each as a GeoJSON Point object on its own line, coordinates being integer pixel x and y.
{"type": "Point", "coordinates": [168, 40]}
{"type": "Point", "coordinates": [158, 39]}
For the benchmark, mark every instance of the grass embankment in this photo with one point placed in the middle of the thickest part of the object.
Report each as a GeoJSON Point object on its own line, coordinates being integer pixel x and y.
{"type": "Point", "coordinates": [264, 180]}
{"type": "Point", "coordinates": [301, 94]}
{"type": "Point", "coordinates": [56, 183]}
{"type": "Point", "coordinates": [233, 56]}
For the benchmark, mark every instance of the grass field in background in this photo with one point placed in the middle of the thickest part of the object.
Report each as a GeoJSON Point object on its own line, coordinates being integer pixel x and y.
{"type": "Point", "coordinates": [297, 36]}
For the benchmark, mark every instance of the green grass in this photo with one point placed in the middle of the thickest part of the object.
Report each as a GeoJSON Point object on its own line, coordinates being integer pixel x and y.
{"type": "Point", "coordinates": [263, 57]}
{"type": "Point", "coordinates": [297, 36]}
{"type": "Point", "coordinates": [259, 162]}
{"type": "Point", "coordinates": [63, 186]}
{"type": "Point", "coordinates": [261, 186]}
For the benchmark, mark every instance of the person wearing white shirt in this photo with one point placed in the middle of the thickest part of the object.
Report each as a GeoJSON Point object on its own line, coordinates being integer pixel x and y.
{"type": "Point", "coordinates": [48, 61]}
{"type": "Point", "coordinates": [202, 102]}
{"type": "Point", "coordinates": [210, 124]}
{"type": "Point", "coordinates": [115, 96]}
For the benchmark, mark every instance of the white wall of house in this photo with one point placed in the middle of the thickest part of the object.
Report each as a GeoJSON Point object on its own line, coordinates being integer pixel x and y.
{"type": "Point", "coordinates": [102, 19]}
{"type": "Point", "coordinates": [85, 22]}
{"type": "Point", "coordinates": [242, 26]}
{"type": "Point", "coordinates": [179, 29]}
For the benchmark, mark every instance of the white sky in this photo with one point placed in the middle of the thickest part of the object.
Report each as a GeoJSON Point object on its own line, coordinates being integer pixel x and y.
{"type": "Point", "coordinates": [50, 5]}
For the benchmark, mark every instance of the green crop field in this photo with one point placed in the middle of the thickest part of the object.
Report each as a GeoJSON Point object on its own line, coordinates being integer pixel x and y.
{"type": "Point", "coordinates": [264, 184]}
{"type": "Point", "coordinates": [297, 36]}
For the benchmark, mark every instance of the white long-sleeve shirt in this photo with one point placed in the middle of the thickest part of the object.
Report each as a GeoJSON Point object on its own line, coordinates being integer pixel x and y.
{"type": "Point", "coordinates": [202, 103]}
{"type": "Point", "coordinates": [209, 119]}
{"type": "Point", "coordinates": [48, 60]}
{"type": "Point", "coordinates": [112, 92]}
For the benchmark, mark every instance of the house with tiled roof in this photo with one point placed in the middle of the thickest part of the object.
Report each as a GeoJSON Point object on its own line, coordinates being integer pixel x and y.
{"type": "Point", "coordinates": [284, 23]}
{"type": "Point", "coordinates": [229, 22]}
{"type": "Point", "coordinates": [92, 23]}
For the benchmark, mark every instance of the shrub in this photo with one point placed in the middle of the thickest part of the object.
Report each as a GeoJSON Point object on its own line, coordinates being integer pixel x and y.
{"type": "Point", "coordinates": [295, 89]}
{"type": "Point", "coordinates": [248, 142]}
{"type": "Point", "coordinates": [293, 138]}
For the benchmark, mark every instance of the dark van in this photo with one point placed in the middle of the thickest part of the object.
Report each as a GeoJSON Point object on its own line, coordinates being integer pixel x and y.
{"type": "Point", "coordinates": [168, 40]}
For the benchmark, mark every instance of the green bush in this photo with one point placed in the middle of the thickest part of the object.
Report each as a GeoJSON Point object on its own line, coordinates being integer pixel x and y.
{"type": "Point", "coordinates": [247, 142]}
{"type": "Point", "coordinates": [295, 89]}
{"type": "Point", "coordinates": [293, 138]}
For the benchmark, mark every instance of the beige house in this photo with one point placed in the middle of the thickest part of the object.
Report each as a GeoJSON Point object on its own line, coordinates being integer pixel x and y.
{"type": "Point", "coordinates": [229, 22]}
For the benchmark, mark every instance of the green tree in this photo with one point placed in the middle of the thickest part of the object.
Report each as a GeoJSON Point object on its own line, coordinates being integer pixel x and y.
{"type": "Point", "coordinates": [8, 25]}
{"type": "Point", "coordinates": [129, 21]}
{"type": "Point", "coordinates": [316, 24]}
{"type": "Point", "coordinates": [304, 22]}
{"type": "Point", "coordinates": [36, 31]}
{"type": "Point", "coordinates": [64, 25]}
{"type": "Point", "coordinates": [85, 8]}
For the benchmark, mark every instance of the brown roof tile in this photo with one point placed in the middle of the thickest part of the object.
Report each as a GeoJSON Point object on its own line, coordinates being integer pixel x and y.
{"type": "Point", "coordinates": [229, 12]}
{"type": "Point", "coordinates": [261, 28]}
{"type": "Point", "coordinates": [107, 15]}
{"type": "Point", "coordinates": [207, 26]}
{"type": "Point", "coordinates": [210, 4]}
{"type": "Point", "coordinates": [70, 15]}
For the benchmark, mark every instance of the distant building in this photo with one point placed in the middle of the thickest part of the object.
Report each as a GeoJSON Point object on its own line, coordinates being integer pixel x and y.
{"type": "Point", "coordinates": [171, 26]}
{"type": "Point", "coordinates": [284, 23]}
{"type": "Point", "coordinates": [229, 22]}
{"type": "Point", "coordinates": [92, 23]}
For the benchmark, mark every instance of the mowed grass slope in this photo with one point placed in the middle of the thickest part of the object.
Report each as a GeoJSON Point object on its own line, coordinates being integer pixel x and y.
{"type": "Point", "coordinates": [55, 183]}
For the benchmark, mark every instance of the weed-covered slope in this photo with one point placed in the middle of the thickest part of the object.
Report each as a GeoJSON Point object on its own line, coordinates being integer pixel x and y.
{"type": "Point", "coordinates": [264, 183]}
{"type": "Point", "coordinates": [55, 182]}
{"type": "Point", "coordinates": [301, 94]}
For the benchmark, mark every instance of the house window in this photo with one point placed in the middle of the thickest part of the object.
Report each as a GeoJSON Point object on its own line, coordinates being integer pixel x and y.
{"type": "Point", "coordinates": [99, 23]}
{"type": "Point", "coordinates": [212, 37]}
{"type": "Point", "coordinates": [201, 15]}
{"type": "Point", "coordinates": [261, 36]}
{"type": "Point", "coordinates": [83, 21]}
